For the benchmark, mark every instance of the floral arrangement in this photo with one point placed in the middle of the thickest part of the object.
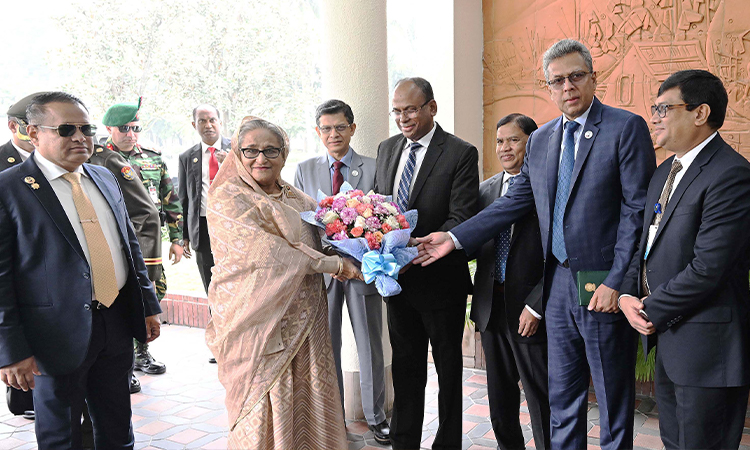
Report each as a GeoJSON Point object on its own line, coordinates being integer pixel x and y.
{"type": "Point", "coordinates": [371, 229]}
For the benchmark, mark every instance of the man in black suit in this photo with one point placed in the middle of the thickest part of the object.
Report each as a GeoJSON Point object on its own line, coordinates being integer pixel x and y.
{"type": "Point", "coordinates": [507, 303]}
{"type": "Point", "coordinates": [74, 290]}
{"type": "Point", "coordinates": [688, 282]}
{"type": "Point", "coordinates": [198, 166]}
{"type": "Point", "coordinates": [434, 172]}
{"type": "Point", "coordinates": [18, 148]}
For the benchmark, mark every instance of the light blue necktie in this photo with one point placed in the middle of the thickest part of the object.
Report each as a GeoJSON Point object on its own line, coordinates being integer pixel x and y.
{"type": "Point", "coordinates": [406, 176]}
{"type": "Point", "coordinates": [563, 191]}
{"type": "Point", "coordinates": [502, 248]}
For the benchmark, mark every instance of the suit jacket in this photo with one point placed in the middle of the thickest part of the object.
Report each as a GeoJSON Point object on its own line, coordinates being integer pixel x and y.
{"type": "Point", "coordinates": [603, 216]}
{"type": "Point", "coordinates": [45, 286]}
{"type": "Point", "coordinates": [191, 189]}
{"type": "Point", "coordinates": [314, 174]}
{"type": "Point", "coordinates": [523, 273]}
{"type": "Point", "coordinates": [9, 156]}
{"type": "Point", "coordinates": [697, 270]}
{"type": "Point", "coordinates": [445, 194]}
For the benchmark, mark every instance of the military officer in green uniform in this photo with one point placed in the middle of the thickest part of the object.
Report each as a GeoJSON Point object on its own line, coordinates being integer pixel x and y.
{"type": "Point", "coordinates": [145, 166]}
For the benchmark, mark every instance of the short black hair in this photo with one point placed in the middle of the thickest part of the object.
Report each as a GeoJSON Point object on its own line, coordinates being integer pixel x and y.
{"type": "Point", "coordinates": [525, 123]}
{"type": "Point", "coordinates": [698, 87]}
{"type": "Point", "coordinates": [423, 86]}
{"type": "Point", "coordinates": [37, 108]}
{"type": "Point", "coordinates": [334, 107]}
{"type": "Point", "coordinates": [206, 105]}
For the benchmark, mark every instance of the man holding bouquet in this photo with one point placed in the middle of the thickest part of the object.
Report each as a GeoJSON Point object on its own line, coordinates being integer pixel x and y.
{"type": "Point", "coordinates": [434, 172]}
{"type": "Point", "coordinates": [335, 127]}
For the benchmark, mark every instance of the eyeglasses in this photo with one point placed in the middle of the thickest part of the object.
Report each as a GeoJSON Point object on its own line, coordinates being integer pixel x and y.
{"type": "Point", "coordinates": [67, 130]}
{"type": "Point", "coordinates": [126, 128]}
{"type": "Point", "coordinates": [663, 108]}
{"type": "Point", "coordinates": [269, 153]}
{"type": "Point", "coordinates": [339, 129]}
{"type": "Point", "coordinates": [410, 112]}
{"type": "Point", "coordinates": [575, 78]}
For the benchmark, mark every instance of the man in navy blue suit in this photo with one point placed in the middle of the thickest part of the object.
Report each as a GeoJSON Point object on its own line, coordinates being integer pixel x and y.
{"type": "Point", "coordinates": [74, 290]}
{"type": "Point", "coordinates": [586, 173]}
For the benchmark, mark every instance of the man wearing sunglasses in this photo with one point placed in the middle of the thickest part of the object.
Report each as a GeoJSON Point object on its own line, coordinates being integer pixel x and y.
{"type": "Point", "coordinates": [147, 167]}
{"type": "Point", "coordinates": [74, 290]}
{"type": "Point", "coordinates": [586, 173]}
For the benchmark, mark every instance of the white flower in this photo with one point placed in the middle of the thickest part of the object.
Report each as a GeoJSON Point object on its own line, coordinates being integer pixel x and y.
{"type": "Point", "coordinates": [360, 222]}
{"type": "Point", "coordinates": [390, 208]}
{"type": "Point", "coordinates": [393, 222]}
{"type": "Point", "coordinates": [365, 199]}
{"type": "Point", "coordinates": [330, 217]}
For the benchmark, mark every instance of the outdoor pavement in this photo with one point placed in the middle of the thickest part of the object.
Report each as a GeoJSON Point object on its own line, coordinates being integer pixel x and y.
{"type": "Point", "coordinates": [184, 408]}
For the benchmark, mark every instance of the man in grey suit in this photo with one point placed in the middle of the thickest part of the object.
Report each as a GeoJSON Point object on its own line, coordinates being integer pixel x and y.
{"type": "Point", "coordinates": [335, 127]}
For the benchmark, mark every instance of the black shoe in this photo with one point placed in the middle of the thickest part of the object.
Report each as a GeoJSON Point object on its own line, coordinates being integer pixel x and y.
{"type": "Point", "coordinates": [29, 414]}
{"type": "Point", "coordinates": [145, 362]}
{"type": "Point", "coordinates": [212, 360]}
{"type": "Point", "coordinates": [381, 432]}
{"type": "Point", "coordinates": [135, 385]}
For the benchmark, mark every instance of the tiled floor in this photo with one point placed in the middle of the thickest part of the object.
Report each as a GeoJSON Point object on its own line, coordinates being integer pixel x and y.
{"type": "Point", "coordinates": [184, 408]}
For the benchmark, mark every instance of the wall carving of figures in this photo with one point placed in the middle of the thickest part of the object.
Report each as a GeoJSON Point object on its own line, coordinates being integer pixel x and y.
{"type": "Point", "coordinates": [635, 44]}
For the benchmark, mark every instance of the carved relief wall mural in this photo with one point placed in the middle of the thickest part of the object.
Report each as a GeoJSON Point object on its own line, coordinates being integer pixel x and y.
{"type": "Point", "coordinates": [635, 44]}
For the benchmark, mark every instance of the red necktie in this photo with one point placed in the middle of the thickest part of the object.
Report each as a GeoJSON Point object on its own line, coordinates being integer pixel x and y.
{"type": "Point", "coordinates": [213, 164]}
{"type": "Point", "coordinates": [338, 177]}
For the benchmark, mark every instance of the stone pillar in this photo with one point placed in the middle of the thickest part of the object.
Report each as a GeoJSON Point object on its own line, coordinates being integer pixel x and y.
{"type": "Point", "coordinates": [355, 70]}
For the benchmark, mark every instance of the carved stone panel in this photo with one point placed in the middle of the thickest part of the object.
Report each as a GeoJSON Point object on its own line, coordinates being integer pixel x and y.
{"type": "Point", "coordinates": [636, 45]}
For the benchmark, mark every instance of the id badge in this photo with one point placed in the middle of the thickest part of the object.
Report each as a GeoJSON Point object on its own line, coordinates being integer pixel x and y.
{"type": "Point", "coordinates": [153, 193]}
{"type": "Point", "coordinates": [651, 235]}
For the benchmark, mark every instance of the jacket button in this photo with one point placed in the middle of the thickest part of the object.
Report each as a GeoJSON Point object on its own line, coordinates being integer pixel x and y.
{"type": "Point", "coordinates": [87, 307]}
{"type": "Point", "coordinates": [86, 275]}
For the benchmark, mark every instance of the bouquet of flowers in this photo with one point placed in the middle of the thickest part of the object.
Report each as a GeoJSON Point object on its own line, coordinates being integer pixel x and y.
{"type": "Point", "coordinates": [371, 229]}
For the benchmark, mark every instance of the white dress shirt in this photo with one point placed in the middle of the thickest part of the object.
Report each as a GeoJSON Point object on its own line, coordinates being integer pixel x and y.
{"type": "Point", "coordinates": [64, 192]}
{"type": "Point", "coordinates": [24, 154]}
{"type": "Point", "coordinates": [205, 156]}
{"type": "Point", "coordinates": [578, 132]}
{"type": "Point", "coordinates": [420, 154]}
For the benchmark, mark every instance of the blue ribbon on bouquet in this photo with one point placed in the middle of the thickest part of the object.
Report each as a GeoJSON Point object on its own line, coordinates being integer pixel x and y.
{"type": "Point", "coordinates": [375, 263]}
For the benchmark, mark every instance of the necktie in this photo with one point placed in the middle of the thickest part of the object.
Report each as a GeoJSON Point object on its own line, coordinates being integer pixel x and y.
{"type": "Point", "coordinates": [213, 165]}
{"type": "Point", "coordinates": [406, 176]}
{"type": "Point", "coordinates": [502, 248]}
{"type": "Point", "coordinates": [659, 209]}
{"type": "Point", "coordinates": [102, 265]}
{"type": "Point", "coordinates": [338, 177]}
{"type": "Point", "coordinates": [563, 191]}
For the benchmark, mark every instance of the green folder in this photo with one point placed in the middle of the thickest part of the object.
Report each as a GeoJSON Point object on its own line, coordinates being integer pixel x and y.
{"type": "Point", "coordinates": [588, 282]}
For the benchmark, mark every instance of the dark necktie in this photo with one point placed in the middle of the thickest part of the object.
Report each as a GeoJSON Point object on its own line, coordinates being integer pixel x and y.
{"type": "Point", "coordinates": [502, 248]}
{"type": "Point", "coordinates": [659, 209]}
{"type": "Point", "coordinates": [406, 177]}
{"type": "Point", "coordinates": [338, 177]}
{"type": "Point", "coordinates": [563, 191]}
{"type": "Point", "coordinates": [213, 165]}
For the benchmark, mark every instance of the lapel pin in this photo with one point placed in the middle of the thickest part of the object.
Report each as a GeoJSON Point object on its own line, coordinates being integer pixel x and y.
{"type": "Point", "coordinates": [99, 149]}
{"type": "Point", "coordinates": [195, 160]}
{"type": "Point", "coordinates": [35, 186]}
{"type": "Point", "coordinates": [588, 134]}
{"type": "Point", "coordinates": [29, 180]}
{"type": "Point", "coordinates": [11, 159]}
{"type": "Point", "coordinates": [355, 173]}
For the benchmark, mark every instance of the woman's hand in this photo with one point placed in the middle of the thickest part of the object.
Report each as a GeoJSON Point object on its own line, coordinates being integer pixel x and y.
{"type": "Point", "coordinates": [349, 271]}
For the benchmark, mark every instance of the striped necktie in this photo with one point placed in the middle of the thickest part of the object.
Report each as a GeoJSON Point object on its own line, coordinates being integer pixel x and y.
{"type": "Point", "coordinates": [563, 191]}
{"type": "Point", "coordinates": [406, 177]}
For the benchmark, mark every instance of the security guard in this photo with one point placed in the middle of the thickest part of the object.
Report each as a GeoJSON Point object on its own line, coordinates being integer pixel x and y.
{"type": "Point", "coordinates": [137, 164]}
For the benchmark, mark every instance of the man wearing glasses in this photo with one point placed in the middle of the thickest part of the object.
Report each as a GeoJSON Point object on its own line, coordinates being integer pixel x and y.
{"type": "Point", "coordinates": [74, 291]}
{"type": "Point", "coordinates": [586, 173]}
{"type": "Point", "coordinates": [436, 173]}
{"type": "Point", "coordinates": [335, 127]}
{"type": "Point", "coordinates": [147, 167]}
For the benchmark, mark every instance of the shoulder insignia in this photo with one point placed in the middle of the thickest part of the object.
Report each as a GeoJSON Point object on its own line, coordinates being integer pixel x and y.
{"type": "Point", "coordinates": [127, 173]}
{"type": "Point", "coordinates": [99, 149]}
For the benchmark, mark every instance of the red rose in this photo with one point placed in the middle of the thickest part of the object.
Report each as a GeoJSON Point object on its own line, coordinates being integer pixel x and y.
{"type": "Point", "coordinates": [326, 202]}
{"type": "Point", "coordinates": [386, 228]}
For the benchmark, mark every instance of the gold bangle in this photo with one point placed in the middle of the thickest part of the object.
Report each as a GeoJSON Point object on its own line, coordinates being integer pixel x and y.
{"type": "Point", "coordinates": [341, 266]}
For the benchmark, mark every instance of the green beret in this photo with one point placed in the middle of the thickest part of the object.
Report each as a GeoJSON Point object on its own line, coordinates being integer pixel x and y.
{"type": "Point", "coordinates": [18, 110]}
{"type": "Point", "coordinates": [121, 113]}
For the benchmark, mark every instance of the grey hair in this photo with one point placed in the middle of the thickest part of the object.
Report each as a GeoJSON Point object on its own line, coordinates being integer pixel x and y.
{"type": "Point", "coordinates": [563, 48]}
{"type": "Point", "coordinates": [260, 124]}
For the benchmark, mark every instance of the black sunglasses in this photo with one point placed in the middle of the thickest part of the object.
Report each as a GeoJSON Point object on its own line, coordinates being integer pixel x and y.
{"type": "Point", "coordinates": [126, 128]}
{"type": "Point", "coordinates": [67, 130]}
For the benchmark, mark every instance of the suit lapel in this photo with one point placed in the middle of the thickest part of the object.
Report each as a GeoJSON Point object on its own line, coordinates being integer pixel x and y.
{"type": "Point", "coordinates": [226, 144]}
{"type": "Point", "coordinates": [323, 175]}
{"type": "Point", "coordinates": [47, 197]}
{"type": "Point", "coordinates": [395, 156]}
{"type": "Point", "coordinates": [553, 164]}
{"type": "Point", "coordinates": [588, 136]}
{"type": "Point", "coordinates": [355, 171]}
{"type": "Point", "coordinates": [101, 184]}
{"type": "Point", "coordinates": [430, 158]}
{"type": "Point", "coordinates": [9, 156]}
{"type": "Point", "coordinates": [196, 169]}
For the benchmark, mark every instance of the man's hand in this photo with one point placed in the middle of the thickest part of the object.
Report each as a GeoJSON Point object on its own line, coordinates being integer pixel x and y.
{"type": "Point", "coordinates": [631, 307]}
{"type": "Point", "coordinates": [527, 324]}
{"type": "Point", "coordinates": [433, 247]}
{"type": "Point", "coordinates": [20, 375]}
{"type": "Point", "coordinates": [153, 328]}
{"type": "Point", "coordinates": [186, 248]}
{"type": "Point", "coordinates": [604, 300]}
{"type": "Point", "coordinates": [175, 253]}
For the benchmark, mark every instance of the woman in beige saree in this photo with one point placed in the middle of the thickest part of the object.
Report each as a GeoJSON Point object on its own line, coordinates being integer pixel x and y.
{"type": "Point", "coordinates": [269, 328]}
